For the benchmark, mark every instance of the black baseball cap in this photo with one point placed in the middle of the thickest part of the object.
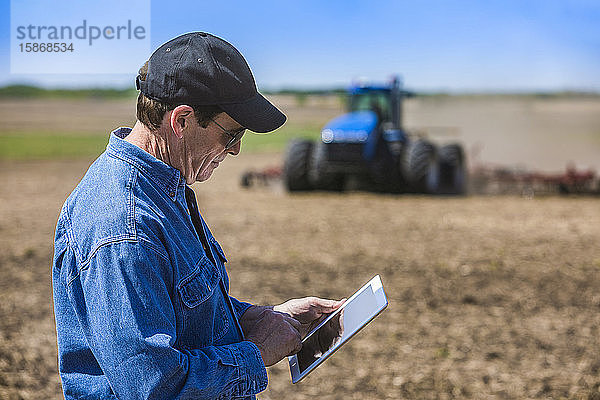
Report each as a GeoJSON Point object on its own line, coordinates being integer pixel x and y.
{"type": "Point", "coordinates": [198, 68]}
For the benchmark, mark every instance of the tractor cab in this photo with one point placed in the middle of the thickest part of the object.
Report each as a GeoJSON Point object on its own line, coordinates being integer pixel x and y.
{"type": "Point", "coordinates": [384, 100]}
{"type": "Point", "coordinates": [374, 112]}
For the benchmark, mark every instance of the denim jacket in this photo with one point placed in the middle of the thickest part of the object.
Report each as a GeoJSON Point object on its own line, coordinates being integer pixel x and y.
{"type": "Point", "coordinates": [142, 307]}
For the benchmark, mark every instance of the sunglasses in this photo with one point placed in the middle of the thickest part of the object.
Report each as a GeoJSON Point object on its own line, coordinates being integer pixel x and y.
{"type": "Point", "coordinates": [235, 137]}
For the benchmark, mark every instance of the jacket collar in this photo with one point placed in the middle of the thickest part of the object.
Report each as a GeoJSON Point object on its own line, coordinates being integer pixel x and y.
{"type": "Point", "coordinates": [165, 176]}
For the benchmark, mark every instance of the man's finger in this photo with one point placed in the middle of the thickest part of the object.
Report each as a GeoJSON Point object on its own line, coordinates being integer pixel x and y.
{"type": "Point", "coordinates": [327, 304]}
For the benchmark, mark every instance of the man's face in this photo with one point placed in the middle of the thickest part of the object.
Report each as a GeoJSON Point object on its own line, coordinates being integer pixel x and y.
{"type": "Point", "coordinates": [204, 148]}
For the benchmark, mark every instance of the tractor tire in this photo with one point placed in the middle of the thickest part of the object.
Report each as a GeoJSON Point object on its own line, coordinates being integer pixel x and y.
{"type": "Point", "coordinates": [320, 177]}
{"type": "Point", "coordinates": [419, 166]}
{"type": "Point", "coordinates": [296, 165]}
{"type": "Point", "coordinates": [453, 174]}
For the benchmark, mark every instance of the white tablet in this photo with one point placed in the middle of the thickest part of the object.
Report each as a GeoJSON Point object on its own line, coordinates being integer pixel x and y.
{"type": "Point", "coordinates": [338, 328]}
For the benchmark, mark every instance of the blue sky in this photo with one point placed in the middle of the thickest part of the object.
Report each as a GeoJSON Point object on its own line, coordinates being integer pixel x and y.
{"type": "Point", "coordinates": [460, 45]}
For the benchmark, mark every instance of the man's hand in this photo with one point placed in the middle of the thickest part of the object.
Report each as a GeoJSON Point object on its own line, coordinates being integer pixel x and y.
{"type": "Point", "coordinates": [308, 311]}
{"type": "Point", "coordinates": [276, 334]}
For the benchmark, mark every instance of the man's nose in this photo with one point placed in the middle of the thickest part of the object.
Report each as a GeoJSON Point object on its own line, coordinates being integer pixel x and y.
{"type": "Point", "coordinates": [235, 149]}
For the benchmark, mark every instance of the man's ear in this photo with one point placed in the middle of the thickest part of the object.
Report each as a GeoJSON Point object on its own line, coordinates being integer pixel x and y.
{"type": "Point", "coordinates": [180, 119]}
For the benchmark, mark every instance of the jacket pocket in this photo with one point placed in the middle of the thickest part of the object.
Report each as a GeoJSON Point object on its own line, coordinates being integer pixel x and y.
{"type": "Point", "coordinates": [200, 284]}
{"type": "Point", "coordinates": [203, 304]}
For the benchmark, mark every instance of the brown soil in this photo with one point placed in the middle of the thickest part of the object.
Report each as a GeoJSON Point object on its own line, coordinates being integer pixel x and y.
{"type": "Point", "coordinates": [490, 297]}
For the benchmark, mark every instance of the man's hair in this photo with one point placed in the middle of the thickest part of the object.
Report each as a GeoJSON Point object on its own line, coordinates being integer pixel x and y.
{"type": "Point", "coordinates": [150, 112]}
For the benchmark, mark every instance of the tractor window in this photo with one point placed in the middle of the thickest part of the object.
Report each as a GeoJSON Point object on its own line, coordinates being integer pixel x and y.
{"type": "Point", "coordinates": [371, 101]}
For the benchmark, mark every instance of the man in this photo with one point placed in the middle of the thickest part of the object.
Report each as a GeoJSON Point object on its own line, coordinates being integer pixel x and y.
{"type": "Point", "coordinates": [140, 288]}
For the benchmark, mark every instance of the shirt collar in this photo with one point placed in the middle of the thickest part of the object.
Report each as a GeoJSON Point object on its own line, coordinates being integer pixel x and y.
{"type": "Point", "coordinates": [165, 176]}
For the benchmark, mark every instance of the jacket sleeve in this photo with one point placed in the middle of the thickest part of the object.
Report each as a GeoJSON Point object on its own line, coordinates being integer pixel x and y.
{"type": "Point", "coordinates": [240, 307]}
{"type": "Point", "coordinates": [122, 298]}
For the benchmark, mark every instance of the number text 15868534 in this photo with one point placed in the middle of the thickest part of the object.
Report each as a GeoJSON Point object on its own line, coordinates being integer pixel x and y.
{"type": "Point", "coordinates": [46, 47]}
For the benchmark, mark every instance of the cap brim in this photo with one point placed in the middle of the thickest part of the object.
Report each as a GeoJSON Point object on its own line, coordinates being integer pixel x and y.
{"type": "Point", "coordinates": [256, 114]}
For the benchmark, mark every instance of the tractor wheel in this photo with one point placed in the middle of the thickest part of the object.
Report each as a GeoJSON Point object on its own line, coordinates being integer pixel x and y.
{"type": "Point", "coordinates": [320, 177]}
{"type": "Point", "coordinates": [419, 166]}
{"type": "Point", "coordinates": [296, 165]}
{"type": "Point", "coordinates": [453, 173]}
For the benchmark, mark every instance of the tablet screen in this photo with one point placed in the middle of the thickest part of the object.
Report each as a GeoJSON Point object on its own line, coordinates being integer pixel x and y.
{"type": "Point", "coordinates": [341, 325]}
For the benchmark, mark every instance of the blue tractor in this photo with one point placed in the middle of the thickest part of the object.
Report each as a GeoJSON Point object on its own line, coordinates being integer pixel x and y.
{"type": "Point", "coordinates": [369, 147]}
